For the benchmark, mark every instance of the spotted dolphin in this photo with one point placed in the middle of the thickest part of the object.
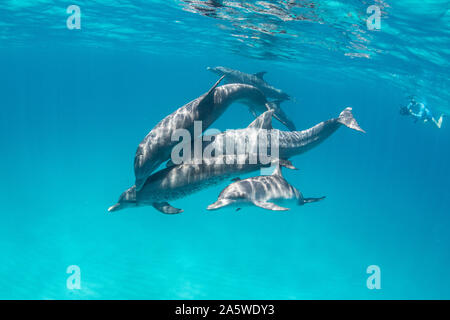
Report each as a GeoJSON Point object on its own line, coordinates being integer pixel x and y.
{"type": "Point", "coordinates": [182, 180]}
{"type": "Point", "coordinates": [257, 80]}
{"type": "Point", "coordinates": [157, 145]}
{"type": "Point", "coordinates": [266, 192]}
{"type": "Point", "coordinates": [288, 143]}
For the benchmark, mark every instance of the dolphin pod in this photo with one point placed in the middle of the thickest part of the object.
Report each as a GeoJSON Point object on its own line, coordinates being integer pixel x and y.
{"type": "Point", "coordinates": [261, 191]}
{"type": "Point", "coordinates": [157, 145]}
{"type": "Point", "coordinates": [181, 180]}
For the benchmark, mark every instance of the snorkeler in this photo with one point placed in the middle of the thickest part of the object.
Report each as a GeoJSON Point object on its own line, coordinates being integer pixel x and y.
{"type": "Point", "coordinates": [420, 112]}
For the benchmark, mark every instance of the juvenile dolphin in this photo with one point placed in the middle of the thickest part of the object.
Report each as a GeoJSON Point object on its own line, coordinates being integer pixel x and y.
{"type": "Point", "coordinates": [182, 180]}
{"type": "Point", "coordinates": [259, 191]}
{"type": "Point", "coordinates": [157, 145]}
{"type": "Point", "coordinates": [257, 80]}
{"type": "Point", "coordinates": [290, 143]}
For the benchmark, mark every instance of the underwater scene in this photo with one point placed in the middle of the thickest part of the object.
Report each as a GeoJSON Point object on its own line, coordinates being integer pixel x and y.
{"type": "Point", "coordinates": [215, 149]}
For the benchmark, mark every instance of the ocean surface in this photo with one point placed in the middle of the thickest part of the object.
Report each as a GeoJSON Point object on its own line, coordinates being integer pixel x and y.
{"type": "Point", "coordinates": [75, 103]}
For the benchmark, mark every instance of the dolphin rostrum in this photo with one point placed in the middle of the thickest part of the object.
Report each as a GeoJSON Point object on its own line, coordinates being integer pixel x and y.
{"type": "Point", "coordinates": [181, 180]}
{"type": "Point", "coordinates": [287, 143]}
{"type": "Point", "coordinates": [157, 145]}
{"type": "Point", "coordinates": [259, 191]}
{"type": "Point", "coordinates": [257, 80]}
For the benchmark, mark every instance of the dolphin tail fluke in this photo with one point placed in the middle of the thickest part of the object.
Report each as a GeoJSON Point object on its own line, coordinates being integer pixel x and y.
{"type": "Point", "coordinates": [309, 200]}
{"type": "Point", "coordinates": [346, 118]}
{"type": "Point", "coordinates": [280, 115]}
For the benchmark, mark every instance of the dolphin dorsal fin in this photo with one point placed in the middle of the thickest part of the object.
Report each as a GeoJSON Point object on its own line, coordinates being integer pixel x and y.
{"type": "Point", "coordinates": [277, 171]}
{"type": "Point", "coordinates": [264, 121]}
{"type": "Point", "coordinates": [261, 74]}
{"type": "Point", "coordinates": [282, 163]}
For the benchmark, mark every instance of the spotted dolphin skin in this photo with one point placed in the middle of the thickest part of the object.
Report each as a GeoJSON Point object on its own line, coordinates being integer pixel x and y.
{"type": "Point", "coordinates": [182, 180]}
{"type": "Point", "coordinates": [257, 80]}
{"type": "Point", "coordinates": [157, 145]}
{"type": "Point", "coordinates": [263, 191]}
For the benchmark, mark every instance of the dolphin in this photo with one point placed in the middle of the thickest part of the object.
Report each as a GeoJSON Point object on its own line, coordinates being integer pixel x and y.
{"type": "Point", "coordinates": [182, 180]}
{"type": "Point", "coordinates": [257, 80]}
{"type": "Point", "coordinates": [157, 145]}
{"type": "Point", "coordinates": [288, 143]}
{"type": "Point", "coordinates": [259, 191]}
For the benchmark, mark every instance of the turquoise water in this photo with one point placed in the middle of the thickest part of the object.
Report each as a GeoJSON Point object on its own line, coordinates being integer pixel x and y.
{"type": "Point", "coordinates": [76, 103]}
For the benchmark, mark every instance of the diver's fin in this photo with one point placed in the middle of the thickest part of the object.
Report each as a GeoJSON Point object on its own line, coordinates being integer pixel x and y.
{"type": "Point", "coordinates": [264, 121]}
{"type": "Point", "coordinates": [309, 200]}
{"type": "Point", "coordinates": [346, 118]}
{"type": "Point", "coordinates": [166, 208]}
{"type": "Point", "coordinates": [260, 74]}
{"type": "Point", "coordinates": [236, 179]}
{"type": "Point", "coordinates": [269, 206]}
{"type": "Point", "coordinates": [279, 114]}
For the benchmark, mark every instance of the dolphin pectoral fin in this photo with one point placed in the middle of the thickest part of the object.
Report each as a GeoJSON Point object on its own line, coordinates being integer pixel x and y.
{"type": "Point", "coordinates": [261, 74]}
{"type": "Point", "coordinates": [269, 206]}
{"type": "Point", "coordinates": [285, 121]}
{"type": "Point", "coordinates": [309, 200]}
{"type": "Point", "coordinates": [280, 115]}
{"type": "Point", "coordinates": [166, 208]}
{"type": "Point", "coordinates": [287, 164]}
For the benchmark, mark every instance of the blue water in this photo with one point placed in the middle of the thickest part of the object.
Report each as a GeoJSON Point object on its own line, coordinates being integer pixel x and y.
{"type": "Point", "coordinates": [76, 103]}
